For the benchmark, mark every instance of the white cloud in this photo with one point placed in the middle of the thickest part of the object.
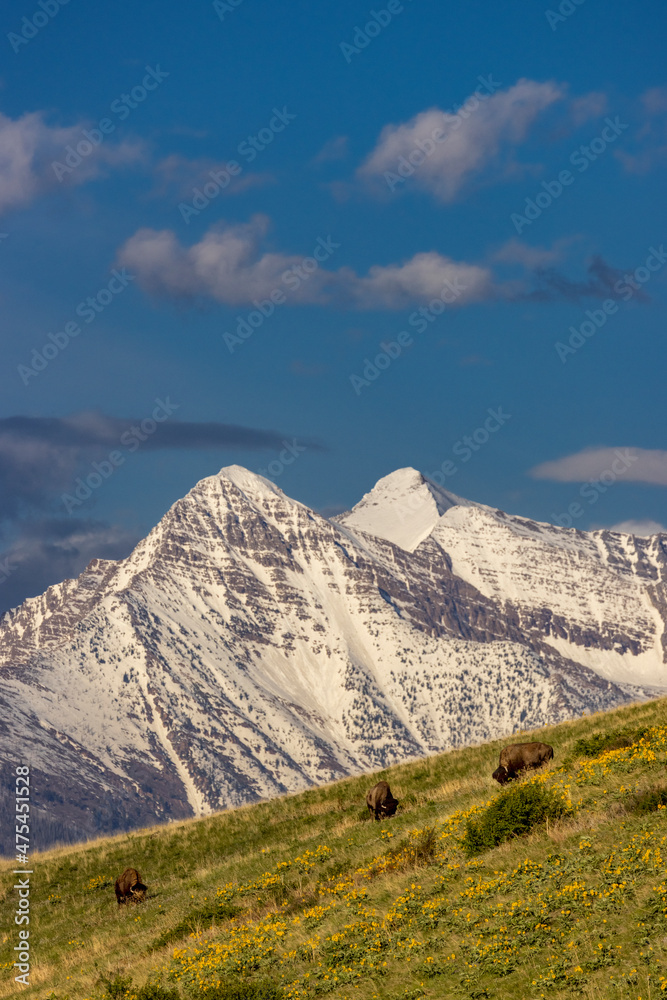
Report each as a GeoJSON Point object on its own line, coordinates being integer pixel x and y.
{"type": "Point", "coordinates": [229, 266]}
{"type": "Point", "coordinates": [226, 265]}
{"type": "Point", "coordinates": [639, 465]}
{"type": "Point", "coordinates": [471, 144]}
{"type": "Point", "coordinates": [426, 276]}
{"type": "Point", "coordinates": [640, 527]}
{"type": "Point", "coordinates": [28, 148]}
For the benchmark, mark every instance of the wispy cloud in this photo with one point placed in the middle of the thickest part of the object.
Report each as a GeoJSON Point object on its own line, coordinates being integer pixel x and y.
{"type": "Point", "coordinates": [551, 284]}
{"type": "Point", "coordinates": [649, 143]}
{"type": "Point", "coordinates": [654, 101]}
{"type": "Point", "coordinates": [29, 147]}
{"type": "Point", "coordinates": [40, 456]}
{"type": "Point", "coordinates": [49, 550]}
{"type": "Point", "coordinates": [332, 150]}
{"type": "Point", "coordinates": [475, 361]}
{"type": "Point", "coordinates": [642, 465]}
{"type": "Point", "coordinates": [639, 527]}
{"type": "Point", "coordinates": [533, 258]}
{"type": "Point", "coordinates": [486, 138]}
{"type": "Point", "coordinates": [587, 107]}
{"type": "Point", "coordinates": [179, 175]}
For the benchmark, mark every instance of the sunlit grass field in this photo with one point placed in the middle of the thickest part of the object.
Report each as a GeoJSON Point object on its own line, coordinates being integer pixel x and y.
{"type": "Point", "coordinates": [305, 896]}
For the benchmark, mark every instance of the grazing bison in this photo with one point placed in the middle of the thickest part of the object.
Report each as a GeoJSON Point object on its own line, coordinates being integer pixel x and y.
{"type": "Point", "coordinates": [380, 800]}
{"type": "Point", "coordinates": [129, 886]}
{"type": "Point", "coordinates": [519, 757]}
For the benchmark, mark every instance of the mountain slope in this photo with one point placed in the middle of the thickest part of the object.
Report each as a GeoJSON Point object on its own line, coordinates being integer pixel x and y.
{"type": "Point", "coordinates": [308, 893]}
{"type": "Point", "coordinates": [250, 647]}
{"type": "Point", "coordinates": [533, 572]}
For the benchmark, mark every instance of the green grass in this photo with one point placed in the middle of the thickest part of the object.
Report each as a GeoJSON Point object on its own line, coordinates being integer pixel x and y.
{"type": "Point", "coordinates": [304, 896]}
{"type": "Point", "coordinates": [616, 739]}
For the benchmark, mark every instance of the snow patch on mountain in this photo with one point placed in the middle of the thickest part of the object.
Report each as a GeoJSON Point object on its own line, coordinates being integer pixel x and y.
{"type": "Point", "coordinates": [587, 583]}
{"type": "Point", "coordinates": [402, 507]}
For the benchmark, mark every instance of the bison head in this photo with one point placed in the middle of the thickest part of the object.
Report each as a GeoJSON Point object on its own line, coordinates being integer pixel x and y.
{"type": "Point", "coordinates": [501, 775]}
{"type": "Point", "coordinates": [389, 807]}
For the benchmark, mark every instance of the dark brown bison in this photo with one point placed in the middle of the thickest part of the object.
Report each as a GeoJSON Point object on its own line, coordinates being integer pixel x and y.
{"type": "Point", "coordinates": [519, 757]}
{"type": "Point", "coordinates": [130, 887]}
{"type": "Point", "coordinates": [380, 801]}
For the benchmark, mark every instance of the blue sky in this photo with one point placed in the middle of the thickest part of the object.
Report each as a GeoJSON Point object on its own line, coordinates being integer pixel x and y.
{"type": "Point", "coordinates": [501, 170]}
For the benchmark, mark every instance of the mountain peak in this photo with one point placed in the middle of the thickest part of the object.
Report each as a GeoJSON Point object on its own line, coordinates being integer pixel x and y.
{"type": "Point", "coordinates": [244, 479]}
{"type": "Point", "coordinates": [403, 507]}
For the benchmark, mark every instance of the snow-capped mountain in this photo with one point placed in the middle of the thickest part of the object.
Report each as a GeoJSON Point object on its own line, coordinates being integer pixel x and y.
{"type": "Point", "coordinates": [249, 646]}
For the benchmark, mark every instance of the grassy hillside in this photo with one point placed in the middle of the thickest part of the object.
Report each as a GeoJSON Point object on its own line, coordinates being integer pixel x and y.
{"type": "Point", "coordinates": [305, 896]}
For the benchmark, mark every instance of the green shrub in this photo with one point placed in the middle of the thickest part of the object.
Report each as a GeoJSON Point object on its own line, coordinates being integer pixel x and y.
{"type": "Point", "coordinates": [116, 987]}
{"type": "Point", "coordinates": [513, 813]}
{"type": "Point", "coordinates": [592, 746]}
{"type": "Point", "coordinates": [648, 801]}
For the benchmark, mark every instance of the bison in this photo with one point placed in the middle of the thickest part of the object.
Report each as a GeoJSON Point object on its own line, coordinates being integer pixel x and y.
{"type": "Point", "coordinates": [519, 757]}
{"type": "Point", "coordinates": [380, 801]}
{"type": "Point", "coordinates": [130, 887]}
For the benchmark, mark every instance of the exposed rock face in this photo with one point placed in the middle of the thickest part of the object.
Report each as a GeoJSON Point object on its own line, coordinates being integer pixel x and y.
{"type": "Point", "coordinates": [250, 647]}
